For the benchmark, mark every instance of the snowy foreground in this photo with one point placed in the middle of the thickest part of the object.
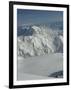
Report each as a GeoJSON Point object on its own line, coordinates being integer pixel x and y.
{"type": "Point", "coordinates": [40, 56]}
{"type": "Point", "coordinates": [40, 67]}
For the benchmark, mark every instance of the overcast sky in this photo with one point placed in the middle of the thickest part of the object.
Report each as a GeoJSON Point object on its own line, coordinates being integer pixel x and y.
{"type": "Point", "coordinates": [38, 16]}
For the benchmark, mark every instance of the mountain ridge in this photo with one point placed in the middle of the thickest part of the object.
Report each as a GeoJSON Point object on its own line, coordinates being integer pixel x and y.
{"type": "Point", "coordinates": [43, 40]}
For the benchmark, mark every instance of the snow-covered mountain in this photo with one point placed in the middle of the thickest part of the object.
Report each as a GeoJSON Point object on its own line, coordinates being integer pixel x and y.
{"type": "Point", "coordinates": [39, 40]}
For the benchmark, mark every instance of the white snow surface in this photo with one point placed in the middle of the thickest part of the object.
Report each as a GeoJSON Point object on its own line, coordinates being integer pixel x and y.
{"type": "Point", "coordinates": [40, 67]}
{"type": "Point", "coordinates": [43, 41]}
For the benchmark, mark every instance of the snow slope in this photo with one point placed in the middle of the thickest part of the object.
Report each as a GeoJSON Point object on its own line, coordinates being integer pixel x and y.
{"type": "Point", "coordinates": [41, 67]}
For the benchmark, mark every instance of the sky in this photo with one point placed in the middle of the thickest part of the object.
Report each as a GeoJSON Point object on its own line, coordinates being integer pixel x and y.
{"type": "Point", "coordinates": [25, 16]}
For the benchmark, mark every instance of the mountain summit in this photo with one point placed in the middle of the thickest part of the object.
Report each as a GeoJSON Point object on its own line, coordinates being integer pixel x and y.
{"type": "Point", "coordinates": [43, 40]}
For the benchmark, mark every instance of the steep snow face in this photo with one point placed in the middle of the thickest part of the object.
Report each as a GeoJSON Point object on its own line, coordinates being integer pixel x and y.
{"type": "Point", "coordinates": [43, 41]}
